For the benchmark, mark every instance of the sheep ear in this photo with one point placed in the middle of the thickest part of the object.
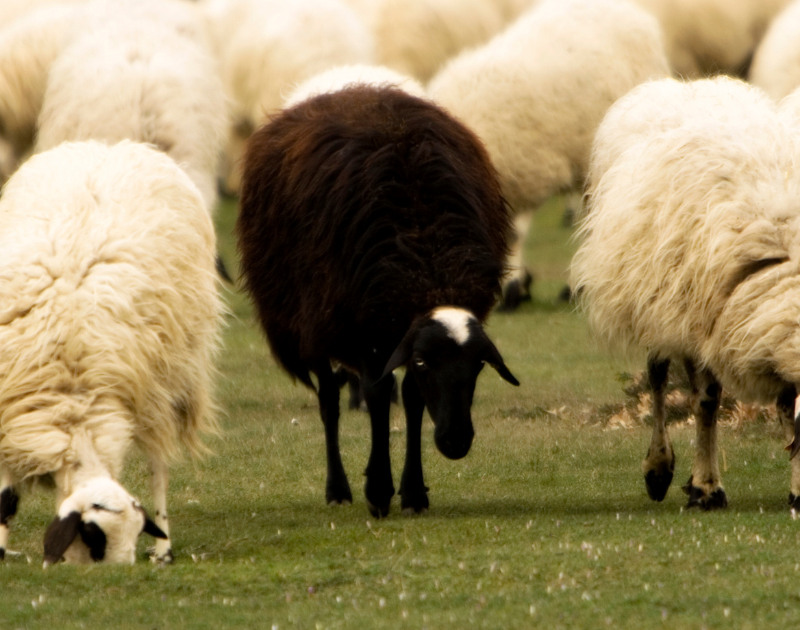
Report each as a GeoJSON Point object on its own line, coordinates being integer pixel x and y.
{"type": "Point", "coordinates": [492, 356]}
{"type": "Point", "coordinates": [401, 355]}
{"type": "Point", "coordinates": [94, 538]}
{"type": "Point", "coordinates": [59, 536]}
{"type": "Point", "coordinates": [151, 528]}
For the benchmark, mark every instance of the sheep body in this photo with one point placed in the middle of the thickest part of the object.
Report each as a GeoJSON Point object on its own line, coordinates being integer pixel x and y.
{"type": "Point", "coordinates": [705, 37]}
{"type": "Point", "coordinates": [415, 37]}
{"type": "Point", "coordinates": [776, 63]}
{"type": "Point", "coordinates": [383, 209]}
{"type": "Point", "coordinates": [269, 47]}
{"type": "Point", "coordinates": [690, 250]}
{"type": "Point", "coordinates": [134, 77]}
{"type": "Point", "coordinates": [110, 313]}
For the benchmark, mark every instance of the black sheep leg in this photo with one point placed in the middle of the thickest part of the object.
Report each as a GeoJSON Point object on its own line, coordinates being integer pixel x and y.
{"type": "Point", "coordinates": [337, 490]}
{"type": "Point", "coordinates": [412, 486]}
{"type": "Point", "coordinates": [379, 488]}
{"type": "Point", "coordinates": [659, 465]}
{"type": "Point", "coordinates": [9, 500]}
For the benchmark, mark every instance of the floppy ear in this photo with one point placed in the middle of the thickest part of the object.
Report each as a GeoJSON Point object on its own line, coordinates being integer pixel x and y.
{"type": "Point", "coordinates": [402, 353]}
{"type": "Point", "coordinates": [151, 528]}
{"type": "Point", "coordinates": [59, 536]}
{"type": "Point", "coordinates": [94, 538]}
{"type": "Point", "coordinates": [492, 356]}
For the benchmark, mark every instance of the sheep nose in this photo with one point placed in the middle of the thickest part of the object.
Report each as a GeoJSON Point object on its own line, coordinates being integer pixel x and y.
{"type": "Point", "coordinates": [455, 445]}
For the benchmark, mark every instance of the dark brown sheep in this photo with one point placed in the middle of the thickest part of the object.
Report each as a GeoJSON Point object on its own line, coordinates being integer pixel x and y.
{"type": "Point", "coordinates": [373, 234]}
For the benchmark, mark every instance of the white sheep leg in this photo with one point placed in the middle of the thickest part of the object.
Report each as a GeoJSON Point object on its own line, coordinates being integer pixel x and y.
{"type": "Point", "coordinates": [705, 485]}
{"type": "Point", "coordinates": [158, 483]}
{"type": "Point", "coordinates": [786, 406]}
{"type": "Point", "coordinates": [8, 508]}
{"type": "Point", "coordinates": [517, 282]}
{"type": "Point", "coordinates": [659, 465]}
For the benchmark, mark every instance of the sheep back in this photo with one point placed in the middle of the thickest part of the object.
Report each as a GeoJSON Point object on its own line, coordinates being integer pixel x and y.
{"type": "Point", "coordinates": [536, 93]}
{"type": "Point", "coordinates": [360, 211]}
{"type": "Point", "coordinates": [110, 311]}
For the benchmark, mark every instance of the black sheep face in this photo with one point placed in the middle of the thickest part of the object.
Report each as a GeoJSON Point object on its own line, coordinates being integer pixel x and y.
{"type": "Point", "coordinates": [446, 351]}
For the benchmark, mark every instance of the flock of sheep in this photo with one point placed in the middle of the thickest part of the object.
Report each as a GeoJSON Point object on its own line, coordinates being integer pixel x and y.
{"type": "Point", "coordinates": [388, 155]}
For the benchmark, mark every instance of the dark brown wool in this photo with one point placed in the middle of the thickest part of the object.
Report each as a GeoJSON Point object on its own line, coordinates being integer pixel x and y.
{"type": "Point", "coordinates": [362, 210]}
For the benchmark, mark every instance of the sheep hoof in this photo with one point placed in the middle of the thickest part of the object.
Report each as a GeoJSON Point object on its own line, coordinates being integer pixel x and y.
{"type": "Point", "coordinates": [378, 511]}
{"type": "Point", "coordinates": [794, 501]}
{"type": "Point", "coordinates": [413, 511]}
{"type": "Point", "coordinates": [165, 558]}
{"type": "Point", "coordinates": [2, 554]}
{"type": "Point", "coordinates": [658, 480]}
{"type": "Point", "coordinates": [339, 495]}
{"type": "Point", "coordinates": [698, 497]}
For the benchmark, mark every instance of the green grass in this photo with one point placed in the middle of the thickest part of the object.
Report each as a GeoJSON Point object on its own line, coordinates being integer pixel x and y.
{"type": "Point", "coordinates": [545, 524]}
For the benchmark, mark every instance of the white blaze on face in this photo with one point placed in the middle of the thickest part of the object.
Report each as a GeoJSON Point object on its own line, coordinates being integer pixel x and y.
{"type": "Point", "coordinates": [456, 320]}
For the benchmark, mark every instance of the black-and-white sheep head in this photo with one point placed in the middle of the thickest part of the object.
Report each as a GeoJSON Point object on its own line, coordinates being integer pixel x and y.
{"type": "Point", "coordinates": [445, 352]}
{"type": "Point", "coordinates": [98, 522]}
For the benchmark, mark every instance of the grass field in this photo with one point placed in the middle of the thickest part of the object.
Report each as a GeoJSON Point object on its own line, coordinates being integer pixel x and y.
{"type": "Point", "coordinates": [545, 524]}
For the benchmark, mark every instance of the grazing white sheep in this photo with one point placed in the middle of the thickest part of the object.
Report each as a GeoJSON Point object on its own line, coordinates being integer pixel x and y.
{"type": "Point", "coordinates": [131, 77]}
{"type": "Point", "coordinates": [109, 322]}
{"type": "Point", "coordinates": [690, 250]}
{"type": "Point", "coordinates": [776, 63]}
{"type": "Point", "coordinates": [340, 77]}
{"type": "Point", "coordinates": [537, 92]}
{"type": "Point", "coordinates": [705, 37]}
{"type": "Point", "coordinates": [28, 47]}
{"type": "Point", "coordinates": [268, 46]}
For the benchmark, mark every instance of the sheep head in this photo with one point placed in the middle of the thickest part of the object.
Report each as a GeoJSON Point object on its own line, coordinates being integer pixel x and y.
{"type": "Point", "coordinates": [98, 522]}
{"type": "Point", "coordinates": [445, 351]}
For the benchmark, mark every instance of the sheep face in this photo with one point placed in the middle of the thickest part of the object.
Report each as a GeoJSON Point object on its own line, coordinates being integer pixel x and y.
{"type": "Point", "coordinates": [446, 351]}
{"type": "Point", "coordinates": [98, 522]}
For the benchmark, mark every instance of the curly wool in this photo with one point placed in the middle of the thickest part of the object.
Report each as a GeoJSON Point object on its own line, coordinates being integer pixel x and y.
{"type": "Point", "coordinates": [689, 230]}
{"type": "Point", "coordinates": [109, 311]}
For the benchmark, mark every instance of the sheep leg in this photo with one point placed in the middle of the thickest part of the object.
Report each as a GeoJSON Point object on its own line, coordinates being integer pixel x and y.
{"type": "Point", "coordinates": [9, 499]}
{"type": "Point", "coordinates": [159, 480]}
{"type": "Point", "coordinates": [379, 488]}
{"type": "Point", "coordinates": [659, 465]}
{"type": "Point", "coordinates": [412, 485]}
{"type": "Point", "coordinates": [705, 486]}
{"type": "Point", "coordinates": [786, 408]}
{"type": "Point", "coordinates": [337, 488]}
{"type": "Point", "coordinates": [518, 280]}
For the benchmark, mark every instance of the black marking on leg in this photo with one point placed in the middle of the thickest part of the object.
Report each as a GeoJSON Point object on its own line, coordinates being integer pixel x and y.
{"type": "Point", "coordinates": [379, 496]}
{"type": "Point", "coordinates": [658, 479]}
{"type": "Point", "coordinates": [794, 501]}
{"type": "Point", "coordinates": [2, 553]}
{"type": "Point", "coordinates": [698, 498]}
{"type": "Point", "coordinates": [9, 501]}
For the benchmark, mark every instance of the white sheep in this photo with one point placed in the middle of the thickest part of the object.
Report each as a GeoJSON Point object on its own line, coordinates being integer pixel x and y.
{"type": "Point", "coordinates": [340, 77]}
{"type": "Point", "coordinates": [109, 320]}
{"type": "Point", "coordinates": [415, 37]}
{"type": "Point", "coordinates": [690, 250]}
{"type": "Point", "coordinates": [268, 46]}
{"type": "Point", "coordinates": [131, 77]}
{"type": "Point", "coordinates": [705, 37]}
{"type": "Point", "coordinates": [537, 92]}
{"type": "Point", "coordinates": [28, 47]}
{"type": "Point", "coordinates": [776, 63]}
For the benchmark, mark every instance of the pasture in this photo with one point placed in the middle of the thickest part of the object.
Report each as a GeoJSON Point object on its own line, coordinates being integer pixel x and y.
{"type": "Point", "coordinates": [546, 523]}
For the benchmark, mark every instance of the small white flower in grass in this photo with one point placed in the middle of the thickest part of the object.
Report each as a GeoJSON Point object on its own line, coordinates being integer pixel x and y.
{"type": "Point", "coordinates": [726, 612]}
{"type": "Point", "coordinates": [664, 613]}
{"type": "Point", "coordinates": [461, 566]}
{"type": "Point", "coordinates": [295, 421]}
{"type": "Point", "coordinates": [404, 614]}
{"type": "Point", "coordinates": [423, 596]}
{"type": "Point", "coordinates": [275, 626]}
{"type": "Point", "coordinates": [532, 609]}
{"type": "Point", "coordinates": [333, 525]}
{"type": "Point", "coordinates": [586, 597]}
{"type": "Point", "coordinates": [381, 602]}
